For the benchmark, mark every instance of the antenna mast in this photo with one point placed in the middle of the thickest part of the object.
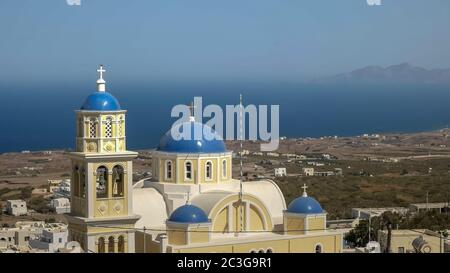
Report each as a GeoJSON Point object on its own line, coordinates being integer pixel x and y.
{"type": "Point", "coordinates": [240, 161]}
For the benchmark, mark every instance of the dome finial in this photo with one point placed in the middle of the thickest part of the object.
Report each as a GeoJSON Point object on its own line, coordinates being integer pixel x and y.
{"type": "Point", "coordinates": [191, 109]}
{"type": "Point", "coordinates": [101, 82]}
{"type": "Point", "coordinates": [304, 190]}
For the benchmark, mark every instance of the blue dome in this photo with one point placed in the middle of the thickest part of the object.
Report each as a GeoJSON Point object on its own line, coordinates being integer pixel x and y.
{"type": "Point", "coordinates": [209, 142]}
{"type": "Point", "coordinates": [188, 214]}
{"type": "Point", "coordinates": [306, 205]}
{"type": "Point", "coordinates": [101, 101]}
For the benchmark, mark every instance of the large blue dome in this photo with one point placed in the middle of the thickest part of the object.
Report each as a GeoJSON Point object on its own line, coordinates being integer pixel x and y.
{"type": "Point", "coordinates": [101, 101]}
{"type": "Point", "coordinates": [188, 214]}
{"type": "Point", "coordinates": [209, 141]}
{"type": "Point", "coordinates": [305, 205]}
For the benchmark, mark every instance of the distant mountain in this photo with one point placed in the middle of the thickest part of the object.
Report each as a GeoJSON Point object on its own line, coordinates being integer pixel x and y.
{"type": "Point", "coordinates": [400, 73]}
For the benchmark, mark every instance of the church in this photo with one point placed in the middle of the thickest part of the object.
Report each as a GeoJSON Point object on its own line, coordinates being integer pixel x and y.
{"type": "Point", "coordinates": [191, 204]}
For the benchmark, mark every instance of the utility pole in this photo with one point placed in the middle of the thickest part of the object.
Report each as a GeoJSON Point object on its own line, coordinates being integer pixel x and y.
{"type": "Point", "coordinates": [370, 220]}
{"type": "Point", "coordinates": [427, 202]}
{"type": "Point", "coordinates": [145, 234]}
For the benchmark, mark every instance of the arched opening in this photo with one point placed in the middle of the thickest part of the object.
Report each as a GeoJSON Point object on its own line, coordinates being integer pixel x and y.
{"type": "Point", "coordinates": [208, 171]}
{"type": "Point", "coordinates": [318, 248]}
{"type": "Point", "coordinates": [111, 246]}
{"type": "Point", "coordinates": [188, 170]}
{"type": "Point", "coordinates": [224, 168]}
{"type": "Point", "coordinates": [76, 181]}
{"type": "Point", "coordinates": [101, 245]}
{"type": "Point", "coordinates": [168, 169]}
{"type": "Point", "coordinates": [118, 181]}
{"type": "Point", "coordinates": [253, 251]}
{"type": "Point", "coordinates": [269, 250]}
{"type": "Point", "coordinates": [102, 182]}
{"type": "Point", "coordinates": [261, 251]}
{"type": "Point", "coordinates": [121, 244]}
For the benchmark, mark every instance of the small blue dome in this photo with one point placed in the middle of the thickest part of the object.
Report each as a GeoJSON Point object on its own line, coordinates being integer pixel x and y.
{"type": "Point", "coordinates": [188, 214]}
{"type": "Point", "coordinates": [306, 205]}
{"type": "Point", "coordinates": [209, 142]}
{"type": "Point", "coordinates": [101, 101]}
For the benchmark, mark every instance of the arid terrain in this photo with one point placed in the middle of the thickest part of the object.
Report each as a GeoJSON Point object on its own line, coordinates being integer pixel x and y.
{"type": "Point", "coordinates": [377, 170]}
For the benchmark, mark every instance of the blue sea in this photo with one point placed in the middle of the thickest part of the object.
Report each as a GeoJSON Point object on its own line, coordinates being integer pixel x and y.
{"type": "Point", "coordinates": [41, 117]}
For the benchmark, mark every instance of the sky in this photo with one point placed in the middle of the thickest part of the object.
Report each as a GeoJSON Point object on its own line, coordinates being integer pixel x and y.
{"type": "Point", "coordinates": [216, 40]}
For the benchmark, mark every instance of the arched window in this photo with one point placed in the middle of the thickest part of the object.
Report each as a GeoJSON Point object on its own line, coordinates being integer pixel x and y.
{"type": "Point", "coordinates": [121, 244]}
{"type": "Point", "coordinates": [188, 170]}
{"type": "Point", "coordinates": [111, 246]}
{"type": "Point", "coordinates": [208, 171]}
{"type": "Point", "coordinates": [108, 127]}
{"type": "Point", "coordinates": [101, 245]}
{"type": "Point", "coordinates": [76, 181]}
{"type": "Point", "coordinates": [168, 169]}
{"type": "Point", "coordinates": [318, 248]}
{"type": "Point", "coordinates": [92, 128]}
{"type": "Point", "coordinates": [261, 251]}
{"type": "Point", "coordinates": [253, 251]}
{"type": "Point", "coordinates": [102, 182]}
{"type": "Point", "coordinates": [224, 168]}
{"type": "Point", "coordinates": [83, 182]}
{"type": "Point", "coordinates": [118, 181]}
{"type": "Point", "coordinates": [269, 250]}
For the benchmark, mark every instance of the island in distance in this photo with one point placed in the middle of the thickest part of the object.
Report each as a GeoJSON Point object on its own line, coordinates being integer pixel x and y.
{"type": "Point", "coordinates": [403, 73]}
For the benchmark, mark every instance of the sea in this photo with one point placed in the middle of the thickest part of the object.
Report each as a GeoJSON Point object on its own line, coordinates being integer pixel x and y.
{"type": "Point", "coordinates": [42, 116]}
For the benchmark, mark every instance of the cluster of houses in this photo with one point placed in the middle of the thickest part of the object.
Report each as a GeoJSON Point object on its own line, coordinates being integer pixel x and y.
{"type": "Point", "coordinates": [37, 236]}
{"type": "Point", "coordinates": [311, 172]}
{"type": "Point", "coordinates": [58, 195]}
{"type": "Point", "coordinates": [402, 240]}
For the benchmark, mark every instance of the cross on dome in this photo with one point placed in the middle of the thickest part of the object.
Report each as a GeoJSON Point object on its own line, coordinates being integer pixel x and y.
{"type": "Point", "coordinates": [100, 71]}
{"type": "Point", "coordinates": [101, 82]}
{"type": "Point", "coordinates": [304, 187]}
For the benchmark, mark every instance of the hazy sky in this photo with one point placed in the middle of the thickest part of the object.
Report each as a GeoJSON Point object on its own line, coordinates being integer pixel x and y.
{"type": "Point", "coordinates": [216, 40]}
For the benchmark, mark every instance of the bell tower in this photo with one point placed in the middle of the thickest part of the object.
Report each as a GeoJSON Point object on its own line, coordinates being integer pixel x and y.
{"type": "Point", "coordinates": [101, 217]}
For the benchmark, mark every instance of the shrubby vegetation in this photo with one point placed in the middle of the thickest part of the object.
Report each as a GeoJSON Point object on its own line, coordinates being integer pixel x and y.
{"type": "Point", "coordinates": [432, 220]}
{"type": "Point", "coordinates": [339, 194]}
{"type": "Point", "coordinates": [38, 204]}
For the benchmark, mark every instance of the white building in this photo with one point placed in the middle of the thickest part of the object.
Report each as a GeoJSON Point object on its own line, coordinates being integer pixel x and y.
{"type": "Point", "coordinates": [279, 172]}
{"type": "Point", "coordinates": [308, 171]}
{"type": "Point", "coordinates": [365, 213]}
{"type": "Point", "coordinates": [60, 205]}
{"type": "Point", "coordinates": [51, 239]}
{"type": "Point", "coordinates": [63, 189]}
{"type": "Point", "coordinates": [16, 207]}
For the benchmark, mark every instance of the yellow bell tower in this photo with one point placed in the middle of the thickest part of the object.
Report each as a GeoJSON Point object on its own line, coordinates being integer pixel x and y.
{"type": "Point", "coordinates": [101, 217]}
